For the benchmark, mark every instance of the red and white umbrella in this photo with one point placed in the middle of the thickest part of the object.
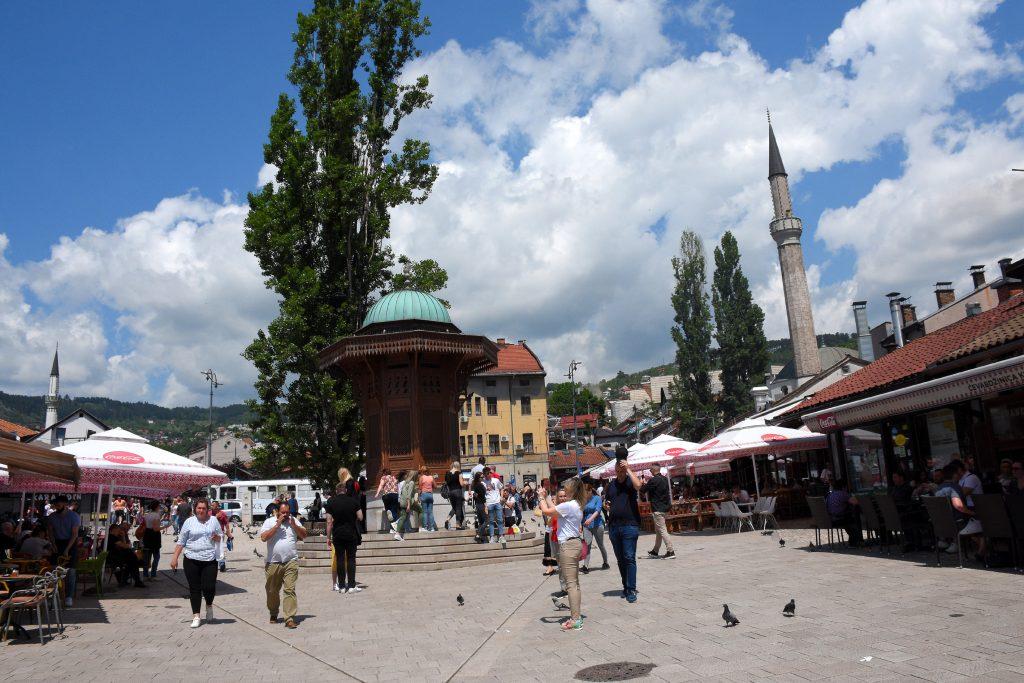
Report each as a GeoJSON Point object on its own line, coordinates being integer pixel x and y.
{"type": "Point", "coordinates": [662, 450]}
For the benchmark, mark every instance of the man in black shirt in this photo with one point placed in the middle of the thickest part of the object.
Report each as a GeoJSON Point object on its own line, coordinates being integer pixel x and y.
{"type": "Point", "coordinates": [624, 521]}
{"type": "Point", "coordinates": [658, 492]}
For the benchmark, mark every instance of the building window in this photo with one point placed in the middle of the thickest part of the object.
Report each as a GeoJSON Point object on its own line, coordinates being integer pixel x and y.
{"type": "Point", "coordinates": [524, 405]}
{"type": "Point", "coordinates": [477, 404]}
{"type": "Point", "coordinates": [492, 405]}
{"type": "Point", "coordinates": [528, 443]}
{"type": "Point", "coordinates": [493, 444]}
{"type": "Point", "coordinates": [480, 444]}
{"type": "Point", "coordinates": [462, 445]}
{"type": "Point", "coordinates": [491, 382]}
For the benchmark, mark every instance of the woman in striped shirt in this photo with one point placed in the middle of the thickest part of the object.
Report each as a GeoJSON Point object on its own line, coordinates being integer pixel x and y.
{"type": "Point", "coordinates": [198, 540]}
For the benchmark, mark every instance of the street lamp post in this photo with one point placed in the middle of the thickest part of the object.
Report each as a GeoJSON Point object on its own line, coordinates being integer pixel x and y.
{"type": "Point", "coordinates": [573, 365]}
{"type": "Point", "coordinates": [211, 377]}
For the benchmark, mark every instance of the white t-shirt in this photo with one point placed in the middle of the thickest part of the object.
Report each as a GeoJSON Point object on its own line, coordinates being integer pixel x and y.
{"type": "Point", "coordinates": [476, 468]}
{"type": "Point", "coordinates": [281, 547]}
{"type": "Point", "coordinates": [152, 520]}
{"type": "Point", "coordinates": [492, 489]}
{"type": "Point", "coordinates": [570, 520]}
{"type": "Point", "coordinates": [971, 481]}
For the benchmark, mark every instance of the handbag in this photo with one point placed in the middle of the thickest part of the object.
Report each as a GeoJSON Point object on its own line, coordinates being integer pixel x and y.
{"type": "Point", "coordinates": [140, 531]}
{"type": "Point", "coordinates": [445, 491]}
{"type": "Point", "coordinates": [584, 549]}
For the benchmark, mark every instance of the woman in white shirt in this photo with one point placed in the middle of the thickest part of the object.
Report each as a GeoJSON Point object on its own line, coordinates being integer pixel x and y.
{"type": "Point", "coordinates": [198, 539]}
{"type": "Point", "coordinates": [569, 512]}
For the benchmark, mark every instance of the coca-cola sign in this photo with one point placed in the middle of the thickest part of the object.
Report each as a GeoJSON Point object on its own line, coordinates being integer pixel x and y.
{"type": "Point", "coordinates": [674, 451]}
{"type": "Point", "coordinates": [768, 438]}
{"type": "Point", "coordinates": [123, 458]}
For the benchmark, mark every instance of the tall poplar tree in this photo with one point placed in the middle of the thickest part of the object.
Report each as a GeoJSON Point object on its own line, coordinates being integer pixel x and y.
{"type": "Point", "coordinates": [692, 403]}
{"type": "Point", "coordinates": [739, 329]}
{"type": "Point", "coordinates": [319, 230]}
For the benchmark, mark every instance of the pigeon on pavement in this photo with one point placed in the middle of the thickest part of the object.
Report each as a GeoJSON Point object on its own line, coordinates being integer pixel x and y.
{"type": "Point", "coordinates": [790, 609]}
{"type": "Point", "coordinates": [782, 543]}
{"type": "Point", "coordinates": [461, 600]}
{"type": "Point", "coordinates": [730, 618]}
{"type": "Point", "coordinates": [256, 553]}
{"type": "Point", "coordinates": [558, 603]}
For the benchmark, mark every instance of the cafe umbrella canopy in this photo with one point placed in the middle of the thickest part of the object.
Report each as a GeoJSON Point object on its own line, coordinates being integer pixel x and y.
{"type": "Point", "coordinates": [753, 439]}
{"type": "Point", "coordinates": [662, 450]}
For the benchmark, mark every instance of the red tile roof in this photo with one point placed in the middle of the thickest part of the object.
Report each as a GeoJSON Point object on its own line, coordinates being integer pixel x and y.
{"type": "Point", "coordinates": [982, 331]}
{"type": "Point", "coordinates": [582, 421]}
{"type": "Point", "coordinates": [515, 359]}
{"type": "Point", "coordinates": [18, 430]}
{"type": "Point", "coordinates": [566, 460]}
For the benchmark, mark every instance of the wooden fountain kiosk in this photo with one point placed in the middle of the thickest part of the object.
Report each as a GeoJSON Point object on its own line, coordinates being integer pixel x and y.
{"type": "Point", "coordinates": [409, 366]}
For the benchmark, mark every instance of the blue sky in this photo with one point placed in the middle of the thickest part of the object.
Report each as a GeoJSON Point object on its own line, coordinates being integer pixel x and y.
{"type": "Point", "coordinates": [114, 107]}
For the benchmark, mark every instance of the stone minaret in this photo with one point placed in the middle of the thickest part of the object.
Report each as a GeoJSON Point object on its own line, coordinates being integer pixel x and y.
{"type": "Point", "coordinates": [53, 395]}
{"type": "Point", "coordinates": [786, 229]}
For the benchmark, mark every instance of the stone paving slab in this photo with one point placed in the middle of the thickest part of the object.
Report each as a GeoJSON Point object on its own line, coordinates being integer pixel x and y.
{"type": "Point", "coordinates": [407, 626]}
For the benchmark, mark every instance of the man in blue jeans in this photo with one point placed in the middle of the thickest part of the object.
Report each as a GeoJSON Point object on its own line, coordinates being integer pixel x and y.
{"type": "Point", "coordinates": [624, 521]}
{"type": "Point", "coordinates": [495, 515]}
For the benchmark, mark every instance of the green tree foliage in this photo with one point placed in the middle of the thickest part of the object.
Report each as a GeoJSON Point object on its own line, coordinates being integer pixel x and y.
{"type": "Point", "coordinates": [739, 329]}
{"type": "Point", "coordinates": [692, 404]}
{"type": "Point", "coordinates": [422, 276]}
{"type": "Point", "coordinates": [560, 400]}
{"type": "Point", "coordinates": [319, 231]}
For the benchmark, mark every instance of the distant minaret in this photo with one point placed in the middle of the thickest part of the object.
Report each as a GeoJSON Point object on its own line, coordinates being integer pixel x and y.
{"type": "Point", "coordinates": [53, 395]}
{"type": "Point", "coordinates": [786, 230]}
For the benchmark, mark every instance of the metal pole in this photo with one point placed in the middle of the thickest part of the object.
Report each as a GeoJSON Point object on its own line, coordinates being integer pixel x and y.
{"type": "Point", "coordinates": [575, 427]}
{"type": "Point", "coordinates": [757, 485]}
{"type": "Point", "coordinates": [96, 519]}
{"type": "Point", "coordinates": [211, 377]}
{"type": "Point", "coordinates": [512, 433]}
{"type": "Point", "coordinates": [110, 514]}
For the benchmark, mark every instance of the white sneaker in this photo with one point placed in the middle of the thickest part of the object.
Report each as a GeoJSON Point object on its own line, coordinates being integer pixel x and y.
{"type": "Point", "coordinates": [195, 622]}
{"type": "Point", "coordinates": [336, 588]}
{"type": "Point", "coordinates": [394, 527]}
{"type": "Point", "coordinates": [355, 589]}
{"type": "Point", "coordinates": [343, 590]}
{"type": "Point", "coordinates": [209, 613]}
{"type": "Point", "coordinates": [398, 537]}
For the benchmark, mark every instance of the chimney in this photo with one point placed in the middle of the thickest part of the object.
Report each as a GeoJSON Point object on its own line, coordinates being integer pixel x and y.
{"type": "Point", "coordinates": [894, 310]}
{"type": "Point", "coordinates": [522, 342]}
{"type": "Point", "coordinates": [1007, 286]}
{"type": "Point", "coordinates": [908, 311]}
{"type": "Point", "coordinates": [860, 318]}
{"type": "Point", "coordinates": [500, 341]}
{"type": "Point", "coordinates": [1004, 263]}
{"type": "Point", "coordinates": [978, 275]}
{"type": "Point", "coordinates": [944, 293]}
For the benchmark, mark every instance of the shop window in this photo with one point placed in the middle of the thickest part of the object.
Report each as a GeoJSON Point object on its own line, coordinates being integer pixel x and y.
{"type": "Point", "coordinates": [492, 405]}
{"type": "Point", "coordinates": [524, 405]}
{"type": "Point", "coordinates": [865, 459]}
{"type": "Point", "coordinates": [944, 445]}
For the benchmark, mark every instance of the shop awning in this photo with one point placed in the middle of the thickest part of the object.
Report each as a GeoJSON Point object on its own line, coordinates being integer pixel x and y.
{"type": "Point", "coordinates": [23, 457]}
{"type": "Point", "coordinates": [943, 391]}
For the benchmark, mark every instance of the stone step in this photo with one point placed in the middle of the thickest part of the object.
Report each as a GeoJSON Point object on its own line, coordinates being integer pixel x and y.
{"type": "Point", "coordinates": [397, 548]}
{"type": "Point", "coordinates": [508, 556]}
{"type": "Point", "coordinates": [491, 551]}
{"type": "Point", "coordinates": [413, 540]}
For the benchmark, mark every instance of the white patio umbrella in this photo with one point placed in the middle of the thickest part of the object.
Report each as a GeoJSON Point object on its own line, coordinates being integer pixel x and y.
{"type": "Point", "coordinates": [662, 450]}
{"type": "Point", "coordinates": [756, 439]}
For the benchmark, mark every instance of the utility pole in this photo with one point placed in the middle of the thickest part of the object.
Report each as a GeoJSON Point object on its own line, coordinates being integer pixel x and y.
{"type": "Point", "coordinates": [211, 377]}
{"type": "Point", "coordinates": [573, 366]}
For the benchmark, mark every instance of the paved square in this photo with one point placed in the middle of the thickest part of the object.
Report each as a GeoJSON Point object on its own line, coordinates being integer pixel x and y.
{"type": "Point", "coordinates": [862, 616]}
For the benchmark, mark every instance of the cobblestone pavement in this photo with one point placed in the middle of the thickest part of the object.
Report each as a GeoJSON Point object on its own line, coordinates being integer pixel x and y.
{"type": "Point", "coordinates": [860, 616]}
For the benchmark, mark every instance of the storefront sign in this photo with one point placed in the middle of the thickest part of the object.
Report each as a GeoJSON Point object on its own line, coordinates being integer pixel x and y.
{"type": "Point", "coordinates": [962, 386]}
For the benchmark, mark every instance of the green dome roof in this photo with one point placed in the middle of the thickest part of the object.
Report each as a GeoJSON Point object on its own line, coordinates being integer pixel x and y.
{"type": "Point", "coordinates": [407, 305]}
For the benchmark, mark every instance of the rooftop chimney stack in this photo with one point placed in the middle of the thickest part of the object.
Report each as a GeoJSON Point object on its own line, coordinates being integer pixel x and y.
{"type": "Point", "coordinates": [1004, 263]}
{"type": "Point", "coordinates": [860, 318]}
{"type": "Point", "coordinates": [978, 275]}
{"type": "Point", "coordinates": [908, 311]}
{"type": "Point", "coordinates": [944, 293]}
{"type": "Point", "coordinates": [897, 318]}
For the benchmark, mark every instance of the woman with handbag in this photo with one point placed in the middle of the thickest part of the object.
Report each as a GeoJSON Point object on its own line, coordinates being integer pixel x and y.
{"type": "Point", "coordinates": [569, 514]}
{"type": "Point", "coordinates": [593, 527]}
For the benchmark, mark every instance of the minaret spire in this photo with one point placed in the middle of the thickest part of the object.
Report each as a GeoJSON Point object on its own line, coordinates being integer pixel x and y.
{"type": "Point", "coordinates": [53, 394]}
{"type": "Point", "coordinates": [786, 230]}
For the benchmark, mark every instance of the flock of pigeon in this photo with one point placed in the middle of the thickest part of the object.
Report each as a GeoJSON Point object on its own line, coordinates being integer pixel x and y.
{"type": "Point", "coordinates": [730, 619]}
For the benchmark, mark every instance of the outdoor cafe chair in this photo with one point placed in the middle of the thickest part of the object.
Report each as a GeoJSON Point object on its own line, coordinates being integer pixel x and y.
{"type": "Point", "coordinates": [768, 513]}
{"type": "Point", "coordinates": [47, 585]}
{"type": "Point", "coordinates": [92, 568]}
{"type": "Point", "coordinates": [891, 519]}
{"type": "Point", "coordinates": [872, 523]}
{"type": "Point", "coordinates": [821, 520]}
{"type": "Point", "coordinates": [995, 522]}
{"type": "Point", "coordinates": [23, 601]}
{"type": "Point", "coordinates": [741, 518]}
{"type": "Point", "coordinates": [940, 512]}
{"type": "Point", "coordinates": [720, 518]}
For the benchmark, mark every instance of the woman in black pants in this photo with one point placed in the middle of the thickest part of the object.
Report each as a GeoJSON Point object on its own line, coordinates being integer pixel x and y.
{"type": "Point", "coordinates": [453, 480]}
{"type": "Point", "coordinates": [479, 496]}
{"type": "Point", "coordinates": [343, 519]}
{"type": "Point", "coordinates": [198, 540]}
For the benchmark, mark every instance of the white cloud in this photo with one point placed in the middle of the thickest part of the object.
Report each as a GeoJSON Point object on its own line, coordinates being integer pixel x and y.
{"type": "Point", "coordinates": [561, 162]}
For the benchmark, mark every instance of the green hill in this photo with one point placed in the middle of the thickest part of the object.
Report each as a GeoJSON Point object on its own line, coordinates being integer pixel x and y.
{"type": "Point", "coordinates": [180, 430]}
